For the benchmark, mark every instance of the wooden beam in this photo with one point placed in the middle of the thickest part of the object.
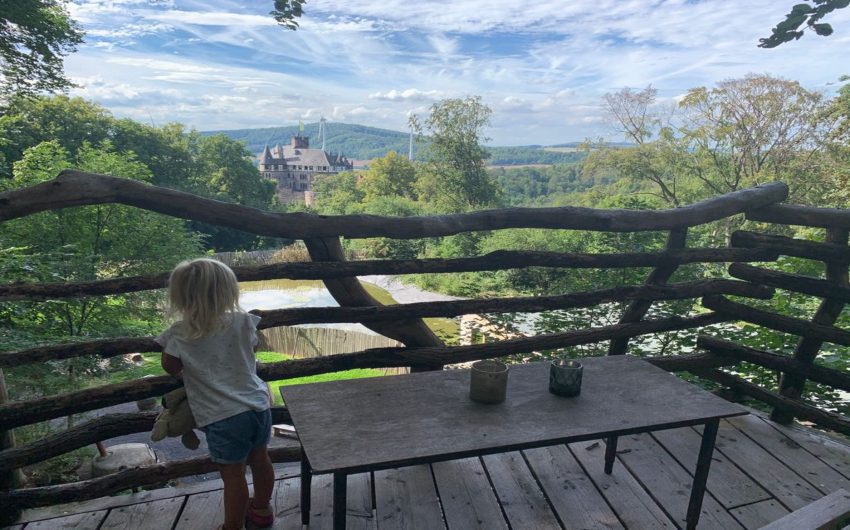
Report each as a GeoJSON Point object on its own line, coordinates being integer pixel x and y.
{"type": "Point", "coordinates": [689, 362]}
{"type": "Point", "coordinates": [499, 260]}
{"type": "Point", "coordinates": [801, 215]}
{"type": "Point", "coordinates": [9, 478]}
{"type": "Point", "coordinates": [829, 420]}
{"type": "Point", "coordinates": [90, 432]}
{"type": "Point", "coordinates": [773, 361]}
{"type": "Point", "coordinates": [789, 246]}
{"type": "Point", "coordinates": [792, 383]}
{"type": "Point", "coordinates": [827, 513]}
{"type": "Point", "coordinates": [19, 413]}
{"type": "Point", "coordinates": [350, 292]}
{"type": "Point", "coordinates": [636, 310]}
{"type": "Point", "coordinates": [125, 479]}
{"type": "Point", "coordinates": [794, 326]}
{"type": "Point", "coordinates": [791, 282]}
{"type": "Point", "coordinates": [529, 304]}
{"type": "Point", "coordinates": [76, 188]}
{"type": "Point", "coordinates": [105, 348]}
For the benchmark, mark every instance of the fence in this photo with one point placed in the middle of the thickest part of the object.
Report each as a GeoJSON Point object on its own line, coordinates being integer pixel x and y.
{"type": "Point", "coordinates": [423, 350]}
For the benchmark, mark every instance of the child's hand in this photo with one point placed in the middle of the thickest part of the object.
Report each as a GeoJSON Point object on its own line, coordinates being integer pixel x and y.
{"type": "Point", "coordinates": [172, 365]}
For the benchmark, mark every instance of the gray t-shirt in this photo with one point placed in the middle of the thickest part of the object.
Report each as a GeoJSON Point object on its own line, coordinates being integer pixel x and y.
{"type": "Point", "coordinates": [219, 370]}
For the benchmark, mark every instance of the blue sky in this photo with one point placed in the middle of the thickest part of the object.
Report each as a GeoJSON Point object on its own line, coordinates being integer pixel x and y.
{"type": "Point", "coordinates": [543, 67]}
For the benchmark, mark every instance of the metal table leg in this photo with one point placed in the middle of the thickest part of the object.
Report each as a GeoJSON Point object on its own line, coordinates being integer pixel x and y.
{"type": "Point", "coordinates": [709, 435]}
{"type": "Point", "coordinates": [610, 453]}
{"type": "Point", "coordinates": [306, 479]}
{"type": "Point", "coordinates": [340, 500]}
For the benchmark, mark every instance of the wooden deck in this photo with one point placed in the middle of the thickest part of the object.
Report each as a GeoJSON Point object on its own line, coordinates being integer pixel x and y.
{"type": "Point", "coordinates": [761, 471]}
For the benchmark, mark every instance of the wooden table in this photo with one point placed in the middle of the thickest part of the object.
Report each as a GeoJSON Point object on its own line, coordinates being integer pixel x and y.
{"type": "Point", "coordinates": [354, 426]}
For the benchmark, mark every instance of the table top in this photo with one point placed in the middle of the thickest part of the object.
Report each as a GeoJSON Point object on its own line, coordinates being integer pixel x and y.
{"type": "Point", "coordinates": [391, 421]}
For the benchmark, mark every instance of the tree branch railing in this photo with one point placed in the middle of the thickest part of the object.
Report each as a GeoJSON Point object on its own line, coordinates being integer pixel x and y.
{"type": "Point", "coordinates": [76, 188]}
{"type": "Point", "coordinates": [790, 282]}
{"type": "Point", "coordinates": [19, 413]}
{"type": "Point", "coordinates": [780, 363]}
{"type": "Point", "coordinates": [93, 431]}
{"type": "Point", "coordinates": [327, 270]}
{"type": "Point", "coordinates": [790, 325]}
{"type": "Point", "coordinates": [150, 475]}
{"type": "Point", "coordinates": [637, 309]}
{"type": "Point", "coordinates": [788, 246]}
{"type": "Point", "coordinates": [325, 315]}
{"type": "Point", "coordinates": [403, 322]}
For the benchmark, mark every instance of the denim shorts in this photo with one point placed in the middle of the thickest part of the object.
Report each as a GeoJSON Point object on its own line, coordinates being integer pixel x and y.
{"type": "Point", "coordinates": [231, 439]}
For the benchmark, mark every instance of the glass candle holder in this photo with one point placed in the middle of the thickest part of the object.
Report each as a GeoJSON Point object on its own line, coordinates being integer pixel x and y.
{"type": "Point", "coordinates": [488, 381]}
{"type": "Point", "coordinates": [565, 377]}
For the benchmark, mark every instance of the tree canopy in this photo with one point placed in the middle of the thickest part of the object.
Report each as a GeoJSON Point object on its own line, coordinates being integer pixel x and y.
{"type": "Point", "coordinates": [455, 177]}
{"type": "Point", "coordinates": [35, 36]}
{"type": "Point", "coordinates": [810, 14]}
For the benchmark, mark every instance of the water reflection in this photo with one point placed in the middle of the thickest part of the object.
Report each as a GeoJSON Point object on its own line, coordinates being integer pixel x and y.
{"type": "Point", "coordinates": [285, 294]}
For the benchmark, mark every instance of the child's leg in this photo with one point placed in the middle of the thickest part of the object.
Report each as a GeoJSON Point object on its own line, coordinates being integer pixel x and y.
{"type": "Point", "coordinates": [263, 473]}
{"type": "Point", "coordinates": [235, 495]}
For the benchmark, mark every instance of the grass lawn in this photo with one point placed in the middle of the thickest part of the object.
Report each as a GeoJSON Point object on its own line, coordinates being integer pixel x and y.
{"type": "Point", "coordinates": [272, 357]}
{"type": "Point", "coordinates": [150, 366]}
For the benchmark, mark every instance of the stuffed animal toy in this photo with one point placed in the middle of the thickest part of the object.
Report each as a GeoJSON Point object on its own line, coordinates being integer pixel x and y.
{"type": "Point", "coordinates": [176, 420]}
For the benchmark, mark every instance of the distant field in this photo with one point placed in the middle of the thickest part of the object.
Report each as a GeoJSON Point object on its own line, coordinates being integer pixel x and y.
{"type": "Point", "coordinates": [515, 166]}
{"type": "Point", "coordinates": [563, 149]}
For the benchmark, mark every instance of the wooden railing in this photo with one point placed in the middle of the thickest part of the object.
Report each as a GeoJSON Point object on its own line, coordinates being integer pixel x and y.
{"type": "Point", "coordinates": [423, 350]}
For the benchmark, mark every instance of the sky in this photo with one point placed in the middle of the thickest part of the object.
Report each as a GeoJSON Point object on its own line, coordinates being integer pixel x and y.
{"type": "Point", "coordinates": [542, 67]}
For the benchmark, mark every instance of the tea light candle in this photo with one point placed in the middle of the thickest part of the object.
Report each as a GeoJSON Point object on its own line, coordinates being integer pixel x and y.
{"type": "Point", "coordinates": [488, 381]}
{"type": "Point", "coordinates": [565, 377]}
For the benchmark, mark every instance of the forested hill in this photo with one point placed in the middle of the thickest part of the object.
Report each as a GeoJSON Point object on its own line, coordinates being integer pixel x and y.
{"type": "Point", "coordinates": [360, 142]}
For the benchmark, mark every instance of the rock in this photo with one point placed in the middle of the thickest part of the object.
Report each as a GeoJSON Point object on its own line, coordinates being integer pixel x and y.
{"type": "Point", "coordinates": [146, 404]}
{"type": "Point", "coordinates": [122, 456]}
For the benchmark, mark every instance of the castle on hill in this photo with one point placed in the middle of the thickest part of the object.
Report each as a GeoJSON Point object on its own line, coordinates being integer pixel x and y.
{"type": "Point", "coordinates": [295, 166]}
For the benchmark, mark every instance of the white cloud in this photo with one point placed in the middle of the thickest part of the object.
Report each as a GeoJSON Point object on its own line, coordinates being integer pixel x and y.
{"type": "Point", "coordinates": [411, 94]}
{"type": "Point", "coordinates": [211, 18]}
{"type": "Point", "coordinates": [96, 87]}
{"type": "Point", "coordinates": [129, 30]}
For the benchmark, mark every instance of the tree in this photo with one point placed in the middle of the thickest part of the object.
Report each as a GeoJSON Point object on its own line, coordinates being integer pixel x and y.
{"type": "Point", "coordinates": [390, 175]}
{"type": "Point", "coordinates": [91, 242]}
{"type": "Point", "coordinates": [809, 14]}
{"type": "Point", "coordinates": [748, 131]}
{"type": "Point", "coordinates": [286, 11]}
{"type": "Point", "coordinates": [634, 115]}
{"type": "Point", "coordinates": [35, 36]}
{"type": "Point", "coordinates": [29, 121]}
{"type": "Point", "coordinates": [455, 177]}
{"type": "Point", "coordinates": [338, 194]}
{"type": "Point", "coordinates": [216, 166]}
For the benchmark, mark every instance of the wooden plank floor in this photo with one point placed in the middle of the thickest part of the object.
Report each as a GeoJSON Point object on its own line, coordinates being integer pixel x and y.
{"type": "Point", "coordinates": [761, 471]}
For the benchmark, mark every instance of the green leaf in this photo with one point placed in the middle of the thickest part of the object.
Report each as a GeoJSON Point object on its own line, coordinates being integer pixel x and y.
{"type": "Point", "coordinates": [802, 9]}
{"type": "Point", "coordinates": [791, 23]}
{"type": "Point", "coordinates": [823, 30]}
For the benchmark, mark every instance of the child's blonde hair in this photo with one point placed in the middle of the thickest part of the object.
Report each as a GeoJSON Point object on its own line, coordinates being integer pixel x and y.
{"type": "Point", "coordinates": [201, 291]}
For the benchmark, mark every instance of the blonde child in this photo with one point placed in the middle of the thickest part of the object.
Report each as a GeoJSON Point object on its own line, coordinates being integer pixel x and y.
{"type": "Point", "coordinates": [212, 348]}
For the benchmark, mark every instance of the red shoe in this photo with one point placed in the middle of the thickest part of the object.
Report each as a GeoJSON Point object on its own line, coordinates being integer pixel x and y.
{"type": "Point", "coordinates": [262, 517]}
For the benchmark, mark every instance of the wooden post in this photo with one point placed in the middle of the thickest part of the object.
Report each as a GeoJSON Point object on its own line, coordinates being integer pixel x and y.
{"type": "Point", "coordinates": [349, 292]}
{"type": "Point", "coordinates": [9, 479]}
{"type": "Point", "coordinates": [676, 239]}
{"type": "Point", "coordinates": [791, 384]}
